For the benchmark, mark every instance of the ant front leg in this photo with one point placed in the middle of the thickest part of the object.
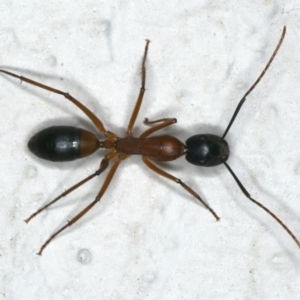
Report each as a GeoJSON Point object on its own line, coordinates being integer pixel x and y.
{"type": "Point", "coordinates": [165, 122]}
{"type": "Point", "coordinates": [83, 108]}
{"type": "Point", "coordinates": [141, 94]}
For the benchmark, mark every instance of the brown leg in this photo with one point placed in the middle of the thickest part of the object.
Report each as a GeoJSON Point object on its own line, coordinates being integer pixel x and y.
{"type": "Point", "coordinates": [164, 123]}
{"type": "Point", "coordinates": [157, 170]}
{"type": "Point", "coordinates": [90, 115]}
{"type": "Point", "coordinates": [87, 208]}
{"type": "Point", "coordinates": [103, 165]}
{"type": "Point", "coordinates": [141, 94]}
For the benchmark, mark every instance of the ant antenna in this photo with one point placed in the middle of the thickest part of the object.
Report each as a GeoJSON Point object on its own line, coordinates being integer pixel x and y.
{"type": "Point", "coordinates": [243, 189]}
{"type": "Point", "coordinates": [255, 83]}
{"type": "Point", "coordinates": [245, 192]}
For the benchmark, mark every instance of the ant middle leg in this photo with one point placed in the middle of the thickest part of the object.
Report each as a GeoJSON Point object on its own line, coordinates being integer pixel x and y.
{"type": "Point", "coordinates": [87, 208]}
{"type": "Point", "coordinates": [141, 94]}
{"type": "Point", "coordinates": [103, 166]}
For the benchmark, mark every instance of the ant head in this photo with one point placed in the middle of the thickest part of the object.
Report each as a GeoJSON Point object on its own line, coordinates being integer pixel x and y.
{"type": "Point", "coordinates": [206, 150]}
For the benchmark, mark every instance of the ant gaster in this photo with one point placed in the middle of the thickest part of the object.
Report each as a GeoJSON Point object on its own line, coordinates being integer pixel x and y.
{"type": "Point", "coordinates": [66, 143]}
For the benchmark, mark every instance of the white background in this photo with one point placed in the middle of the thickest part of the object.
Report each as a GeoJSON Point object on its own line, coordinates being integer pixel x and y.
{"type": "Point", "coordinates": [148, 238]}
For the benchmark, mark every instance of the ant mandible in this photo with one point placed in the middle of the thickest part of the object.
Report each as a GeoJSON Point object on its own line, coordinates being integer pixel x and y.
{"type": "Point", "coordinates": [66, 143]}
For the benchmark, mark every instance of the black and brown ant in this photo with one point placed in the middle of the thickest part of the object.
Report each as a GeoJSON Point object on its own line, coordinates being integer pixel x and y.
{"type": "Point", "coordinates": [66, 143]}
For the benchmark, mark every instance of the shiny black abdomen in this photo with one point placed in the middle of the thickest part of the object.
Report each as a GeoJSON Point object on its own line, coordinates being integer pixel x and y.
{"type": "Point", "coordinates": [206, 150]}
{"type": "Point", "coordinates": [57, 143]}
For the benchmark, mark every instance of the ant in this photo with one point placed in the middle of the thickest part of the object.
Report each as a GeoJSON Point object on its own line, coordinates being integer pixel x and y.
{"type": "Point", "coordinates": [66, 143]}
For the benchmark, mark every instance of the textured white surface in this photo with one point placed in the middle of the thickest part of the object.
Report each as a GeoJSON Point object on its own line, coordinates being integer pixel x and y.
{"type": "Point", "coordinates": [148, 239]}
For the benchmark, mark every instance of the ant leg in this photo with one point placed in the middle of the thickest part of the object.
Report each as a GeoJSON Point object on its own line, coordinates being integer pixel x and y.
{"type": "Point", "coordinates": [245, 192]}
{"type": "Point", "coordinates": [141, 94]}
{"type": "Point", "coordinates": [103, 165]}
{"type": "Point", "coordinates": [87, 208]}
{"type": "Point", "coordinates": [164, 123]}
{"type": "Point", "coordinates": [163, 120]}
{"type": "Point", "coordinates": [83, 108]}
{"type": "Point", "coordinates": [159, 171]}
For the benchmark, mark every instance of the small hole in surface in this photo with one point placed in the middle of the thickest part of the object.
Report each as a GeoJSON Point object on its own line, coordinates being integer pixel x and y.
{"type": "Point", "coordinates": [84, 256]}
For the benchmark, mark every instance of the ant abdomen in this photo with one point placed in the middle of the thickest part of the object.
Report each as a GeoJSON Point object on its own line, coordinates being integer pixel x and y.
{"type": "Point", "coordinates": [63, 143]}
